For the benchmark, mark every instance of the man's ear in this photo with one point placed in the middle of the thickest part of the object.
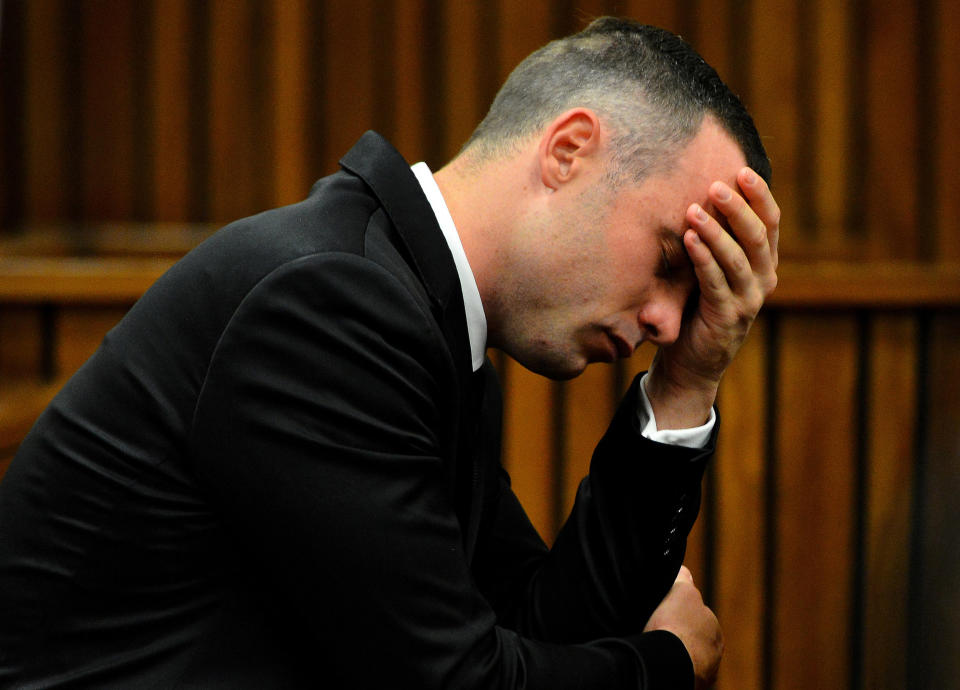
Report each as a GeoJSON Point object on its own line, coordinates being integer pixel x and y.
{"type": "Point", "coordinates": [566, 145]}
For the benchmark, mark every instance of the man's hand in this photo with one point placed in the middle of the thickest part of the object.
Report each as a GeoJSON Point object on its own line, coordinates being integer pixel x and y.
{"type": "Point", "coordinates": [736, 271]}
{"type": "Point", "coordinates": [683, 613]}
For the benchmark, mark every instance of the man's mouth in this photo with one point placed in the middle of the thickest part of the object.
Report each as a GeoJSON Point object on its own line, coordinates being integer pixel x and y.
{"type": "Point", "coordinates": [621, 345]}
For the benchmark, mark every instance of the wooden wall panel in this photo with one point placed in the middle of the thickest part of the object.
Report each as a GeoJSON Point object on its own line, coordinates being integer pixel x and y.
{"type": "Point", "coordinates": [716, 38]}
{"type": "Point", "coordinates": [663, 14]}
{"type": "Point", "coordinates": [891, 172]}
{"type": "Point", "coordinates": [467, 62]}
{"type": "Point", "coordinates": [740, 471]}
{"type": "Point", "coordinates": [170, 170]}
{"type": "Point", "coordinates": [946, 173]}
{"type": "Point", "coordinates": [774, 85]}
{"type": "Point", "coordinates": [529, 445]}
{"type": "Point", "coordinates": [347, 99]}
{"type": "Point", "coordinates": [289, 38]}
{"type": "Point", "coordinates": [522, 27]}
{"type": "Point", "coordinates": [21, 343]}
{"type": "Point", "coordinates": [413, 120]}
{"type": "Point", "coordinates": [815, 421]}
{"type": "Point", "coordinates": [108, 168]}
{"type": "Point", "coordinates": [79, 332]}
{"type": "Point", "coordinates": [589, 405]}
{"type": "Point", "coordinates": [45, 111]}
{"type": "Point", "coordinates": [935, 662]}
{"type": "Point", "coordinates": [238, 117]}
{"type": "Point", "coordinates": [831, 208]}
{"type": "Point", "coordinates": [891, 417]}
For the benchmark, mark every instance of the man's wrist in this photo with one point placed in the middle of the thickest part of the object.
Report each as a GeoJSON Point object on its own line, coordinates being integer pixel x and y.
{"type": "Point", "coordinates": [650, 427]}
{"type": "Point", "coordinates": [679, 406]}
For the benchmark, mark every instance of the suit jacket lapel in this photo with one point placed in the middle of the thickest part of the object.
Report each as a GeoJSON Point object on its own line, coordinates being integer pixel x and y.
{"type": "Point", "coordinates": [389, 176]}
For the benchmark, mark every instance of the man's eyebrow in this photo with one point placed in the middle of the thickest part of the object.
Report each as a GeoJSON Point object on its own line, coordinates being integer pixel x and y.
{"type": "Point", "coordinates": [674, 237]}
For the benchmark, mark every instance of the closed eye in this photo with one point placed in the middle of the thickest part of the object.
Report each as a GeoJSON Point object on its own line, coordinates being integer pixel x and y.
{"type": "Point", "coordinates": [674, 262]}
{"type": "Point", "coordinates": [665, 268]}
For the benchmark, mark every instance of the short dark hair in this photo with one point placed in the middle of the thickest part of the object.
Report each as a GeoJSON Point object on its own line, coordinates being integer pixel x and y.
{"type": "Point", "coordinates": [650, 85]}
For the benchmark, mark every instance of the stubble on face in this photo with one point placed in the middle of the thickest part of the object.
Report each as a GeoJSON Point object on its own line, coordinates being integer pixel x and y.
{"type": "Point", "coordinates": [550, 296]}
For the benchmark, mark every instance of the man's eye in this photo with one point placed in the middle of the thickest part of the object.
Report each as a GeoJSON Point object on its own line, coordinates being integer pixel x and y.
{"type": "Point", "coordinates": [665, 267]}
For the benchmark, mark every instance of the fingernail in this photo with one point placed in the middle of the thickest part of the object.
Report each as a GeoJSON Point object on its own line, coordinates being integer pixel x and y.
{"type": "Point", "coordinates": [749, 177]}
{"type": "Point", "coordinates": [700, 214]}
{"type": "Point", "coordinates": [723, 192]}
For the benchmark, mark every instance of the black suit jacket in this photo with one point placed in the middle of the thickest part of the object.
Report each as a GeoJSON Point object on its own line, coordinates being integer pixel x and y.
{"type": "Point", "coordinates": [279, 470]}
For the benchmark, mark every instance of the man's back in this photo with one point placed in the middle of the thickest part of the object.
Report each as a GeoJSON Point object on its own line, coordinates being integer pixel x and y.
{"type": "Point", "coordinates": [116, 566]}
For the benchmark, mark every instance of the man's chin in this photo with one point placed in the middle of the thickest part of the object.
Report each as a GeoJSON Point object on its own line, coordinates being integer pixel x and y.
{"type": "Point", "coordinates": [558, 369]}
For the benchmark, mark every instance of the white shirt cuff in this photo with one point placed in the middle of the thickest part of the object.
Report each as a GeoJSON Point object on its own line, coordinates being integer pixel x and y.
{"type": "Point", "coordinates": [695, 437]}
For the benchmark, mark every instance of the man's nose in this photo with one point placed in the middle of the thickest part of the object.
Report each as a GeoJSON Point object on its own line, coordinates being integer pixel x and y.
{"type": "Point", "coordinates": [660, 321]}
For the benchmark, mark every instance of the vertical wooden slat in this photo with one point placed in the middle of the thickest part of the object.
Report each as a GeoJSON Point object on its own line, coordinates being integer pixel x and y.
{"type": "Point", "coordinates": [411, 122]}
{"type": "Point", "coordinates": [12, 126]}
{"type": "Point", "coordinates": [740, 472]}
{"type": "Point", "coordinates": [44, 111]}
{"type": "Point", "coordinates": [638, 363]}
{"type": "Point", "coordinates": [662, 14]}
{"type": "Point", "coordinates": [774, 84]}
{"type": "Point", "coordinates": [938, 614]}
{"type": "Point", "coordinates": [947, 89]}
{"type": "Point", "coordinates": [464, 104]}
{"type": "Point", "coordinates": [21, 344]}
{"type": "Point", "coordinates": [815, 479]}
{"type": "Point", "coordinates": [832, 148]}
{"type": "Point", "coordinates": [238, 185]}
{"type": "Point", "coordinates": [892, 400]}
{"type": "Point", "coordinates": [108, 109]}
{"type": "Point", "coordinates": [889, 206]}
{"type": "Point", "coordinates": [348, 100]}
{"type": "Point", "coordinates": [714, 38]}
{"type": "Point", "coordinates": [169, 96]}
{"type": "Point", "coordinates": [80, 329]}
{"type": "Point", "coordinates": [288, 48]}
{"type": "Point", "coordinates": [528, 444]}
{"type": "Point", "coordinates": [589, 409]}
{"type": "Point", "coordinates": [523, 27]}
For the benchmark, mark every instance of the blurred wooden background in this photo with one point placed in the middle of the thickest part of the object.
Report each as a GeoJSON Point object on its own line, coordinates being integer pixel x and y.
{"type": "Point", "coordinates": [829, 542]}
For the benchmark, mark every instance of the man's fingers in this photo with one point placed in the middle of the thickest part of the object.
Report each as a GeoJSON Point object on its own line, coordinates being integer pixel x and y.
{"type": "Point", "coordinates": [750, 231]}
{"type": "Point", "coordinates": [758, 195]}
{"type": "Point", "coordinates": [685, 575]}
{"type": "Point", "coordinates": [710, 277]}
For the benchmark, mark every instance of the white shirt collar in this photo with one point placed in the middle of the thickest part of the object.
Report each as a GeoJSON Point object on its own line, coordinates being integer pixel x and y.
{"type": "Point", "coordinates": [476, 319]}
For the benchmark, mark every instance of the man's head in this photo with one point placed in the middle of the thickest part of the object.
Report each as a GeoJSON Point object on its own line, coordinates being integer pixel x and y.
{"type": "Point", "coordinates": [571, 195]}
{"type": "Point", "coordinates": [648, 86]}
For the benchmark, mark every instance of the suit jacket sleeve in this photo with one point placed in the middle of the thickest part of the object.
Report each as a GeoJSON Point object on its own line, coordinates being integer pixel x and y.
{"type": "Point", "coordinates": [614, 559]}
{"type": "Point", "coordinates": [317, 433]}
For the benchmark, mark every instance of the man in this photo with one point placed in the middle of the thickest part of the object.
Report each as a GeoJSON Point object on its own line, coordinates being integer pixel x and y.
{"type": "Point", "coordinates": [281, 468]}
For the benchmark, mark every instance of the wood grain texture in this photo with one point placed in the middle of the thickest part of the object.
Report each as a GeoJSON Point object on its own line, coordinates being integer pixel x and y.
{"type": "Point", "coordinates": [528, 443]}
{"type": "Point", "coordinates": [815, 422]}
{"type": "Point", "coordinates": [45, 111]}
{"type": "Point", "coordinates": [79, 331]}
{"type": "Point", "coordinates": [244, 103]}
{"type": "Point", "coordinates": [236, 184]}
{"type": "Point", "coordinates": [169, 97]}
{"type": "Point", "coordinates": [740, 472]}
{"type": "Point", "coordinates": [890, 199]}
{"type": "Point", "coordinates": [288, 50]}
{"type": "Point", "coordinates": [937, 658]}
{"type": "Point", "coordinates": [589, 405]}
{"type": "Point", "coordinates": [946, 173]}
{"type": "Point", "coordinates": [893, 391]}
{"type": "Point", "coordinates": [107, 110]}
